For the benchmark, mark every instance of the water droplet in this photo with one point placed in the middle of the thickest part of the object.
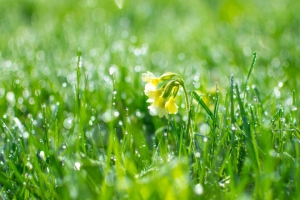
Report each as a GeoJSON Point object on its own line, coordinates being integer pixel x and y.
{"type": "Point", "coordinates": [10, 96]}
{"type": "Point", "coordinates": [222, 185]}
{"type": "Point", "coordinates": [137, 68]}
{"type": "Point", "coordinates": [29, 165]}
{"type": "Point", "coordinates": [272, 153]}
{"type": "Point", "coordinates": [67, 123]}
{"type": "Point", "coordinates": [20, 100]}
{"type": "Point", "coordinates": [110, 115]}
{"type": "Point", "coordinates": [138, 113]}
{"type": "Point", "coordinates": [25, 135]}
{"type": "Point", "coordinates": [19, 124]}
{"type": "Point", "coordinates": [128, 79]}
{"type": "Point", "coordinates": [42, 155]}
{"type": "Point", "coordinates": [8, 63]}
{"type": "Point", "coordinates": [77, 165]}
{"type": "Point", "coordinates": [204, 129]}
{"type": "Point", "coordinates": [31, 101]}
{"type": "Point", "coordinates": [116, 113]}
{"type": "Point", "coordinates": [113, 69]}
{"type": "Point", "coordinates": [26, 94]}
{"type": "Point", "coordinates": [198, 189]}
{"type": "Point", "coordinates": [277, 92]}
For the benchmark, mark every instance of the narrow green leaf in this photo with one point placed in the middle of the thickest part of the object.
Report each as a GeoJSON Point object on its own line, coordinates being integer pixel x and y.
{"type": "Point", "coordinates": [201, 102]}
{"type": "Point", "coordinates": [231, 100]}
{"type": "Point", "coordinates": [251, 68]}
{"type": "Point", "coordinates": [246, 126]}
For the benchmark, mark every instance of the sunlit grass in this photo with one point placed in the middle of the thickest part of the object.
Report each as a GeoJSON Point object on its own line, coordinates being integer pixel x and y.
{"type": "Point", "coordinates": [75, 124]}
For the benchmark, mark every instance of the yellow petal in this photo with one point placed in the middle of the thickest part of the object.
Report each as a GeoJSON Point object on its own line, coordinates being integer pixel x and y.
{"type": "Point", "coordinates": [155, 81]}
{"type": "Point", "coordinates": [147, 77]}
{"type": "Point", "coordinates": [171, 106]}
{"type": "Point", "coordinates": [154, 93]}
{"type": "Point", "coordinates": [159, 102]}
{"type": "Point", "coordinates": [149, 87]}
{"type": "Point", "coordinates": [150, 79]}
{"type": "Point", "coordinates": [159, 111]}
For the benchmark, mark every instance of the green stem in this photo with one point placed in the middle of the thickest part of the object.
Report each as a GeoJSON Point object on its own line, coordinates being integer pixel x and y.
{"type": "Point", "coordinates": [188, 110]}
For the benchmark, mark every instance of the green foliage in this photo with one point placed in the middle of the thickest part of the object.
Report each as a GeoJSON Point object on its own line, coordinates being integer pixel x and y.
{"type": "Point", "coordinates": [74, 122]}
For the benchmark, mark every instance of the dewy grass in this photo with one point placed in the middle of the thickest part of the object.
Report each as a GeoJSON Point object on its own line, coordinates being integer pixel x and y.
{"type": "Point", "coordinates": [77, 126]}
{"type": "Point", "coordinates": [232, 159]}
{"type": "Point", "coordinates": [237, 156]}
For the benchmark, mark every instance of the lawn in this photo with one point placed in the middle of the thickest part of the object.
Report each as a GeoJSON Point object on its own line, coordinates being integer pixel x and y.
{"type": "Point", "coordinates": [74, 117]}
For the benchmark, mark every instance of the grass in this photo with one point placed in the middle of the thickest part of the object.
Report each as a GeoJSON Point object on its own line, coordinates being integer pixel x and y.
{"type": "Point", "coordinates": [74, 119]}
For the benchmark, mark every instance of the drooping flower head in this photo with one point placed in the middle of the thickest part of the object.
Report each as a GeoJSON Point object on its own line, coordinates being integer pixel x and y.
{"type": "Point", "coordinates": [171, 106]}
{"type": "Point", "coordinates": [162, 92]}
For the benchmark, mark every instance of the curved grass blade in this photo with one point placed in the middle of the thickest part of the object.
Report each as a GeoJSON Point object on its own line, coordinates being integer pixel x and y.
{"type": "Point", "coordinates": [231, 100]}
{"type": "Point", "coordinates": [201, 102]}
{"type": "Point", "coordinates": [249, 73]}
{"type": "Point", "coordinates": [251, 68]}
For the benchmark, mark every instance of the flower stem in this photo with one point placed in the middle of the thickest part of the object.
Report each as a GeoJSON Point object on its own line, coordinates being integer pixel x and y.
{"type": "Point", "coordinates": [188, 110]}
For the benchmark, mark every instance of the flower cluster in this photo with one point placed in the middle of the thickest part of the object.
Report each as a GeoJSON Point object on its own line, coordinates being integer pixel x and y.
{"type": "Point", "coordinates": [162, 92]}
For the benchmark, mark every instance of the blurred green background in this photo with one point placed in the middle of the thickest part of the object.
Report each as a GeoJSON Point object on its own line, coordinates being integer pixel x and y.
{"type": "Point", "coordinates": [207, 39]}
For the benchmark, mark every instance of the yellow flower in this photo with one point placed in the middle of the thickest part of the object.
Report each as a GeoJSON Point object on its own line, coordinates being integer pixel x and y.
{"type": "Point", "coordinates": [171, 106]}
{"type": "Point", "coordinates": [158, 97]}
{"type": "Point", "coordinates": [151, 83]}
{"type": "Point", "coordinates": [158, 107]}
{"type": "Point", "coordinates": [149, 78]}
{"type": "Point", "coordinates": [153, 94]}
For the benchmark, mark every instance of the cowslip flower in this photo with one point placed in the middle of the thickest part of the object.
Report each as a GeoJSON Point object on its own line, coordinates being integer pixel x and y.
{"type": "Point", "coordinates": [162, 92]}
{"type": "Point", "coordinates": [158, 107]}
{"type": "Point", "coordinates": [171, 106]}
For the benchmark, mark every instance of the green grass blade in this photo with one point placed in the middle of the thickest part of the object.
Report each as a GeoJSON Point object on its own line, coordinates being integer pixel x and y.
{"type": "Point", "coordinates": [249, 73]}
{"type": "Point", "coordinates": [231, 100]}
{"type": "Point", "coordinates": [201, 102]}
{"type": "Point", "coordinates": [216, 107]}
{"type": "Point", "coordinates": [251, 68]}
